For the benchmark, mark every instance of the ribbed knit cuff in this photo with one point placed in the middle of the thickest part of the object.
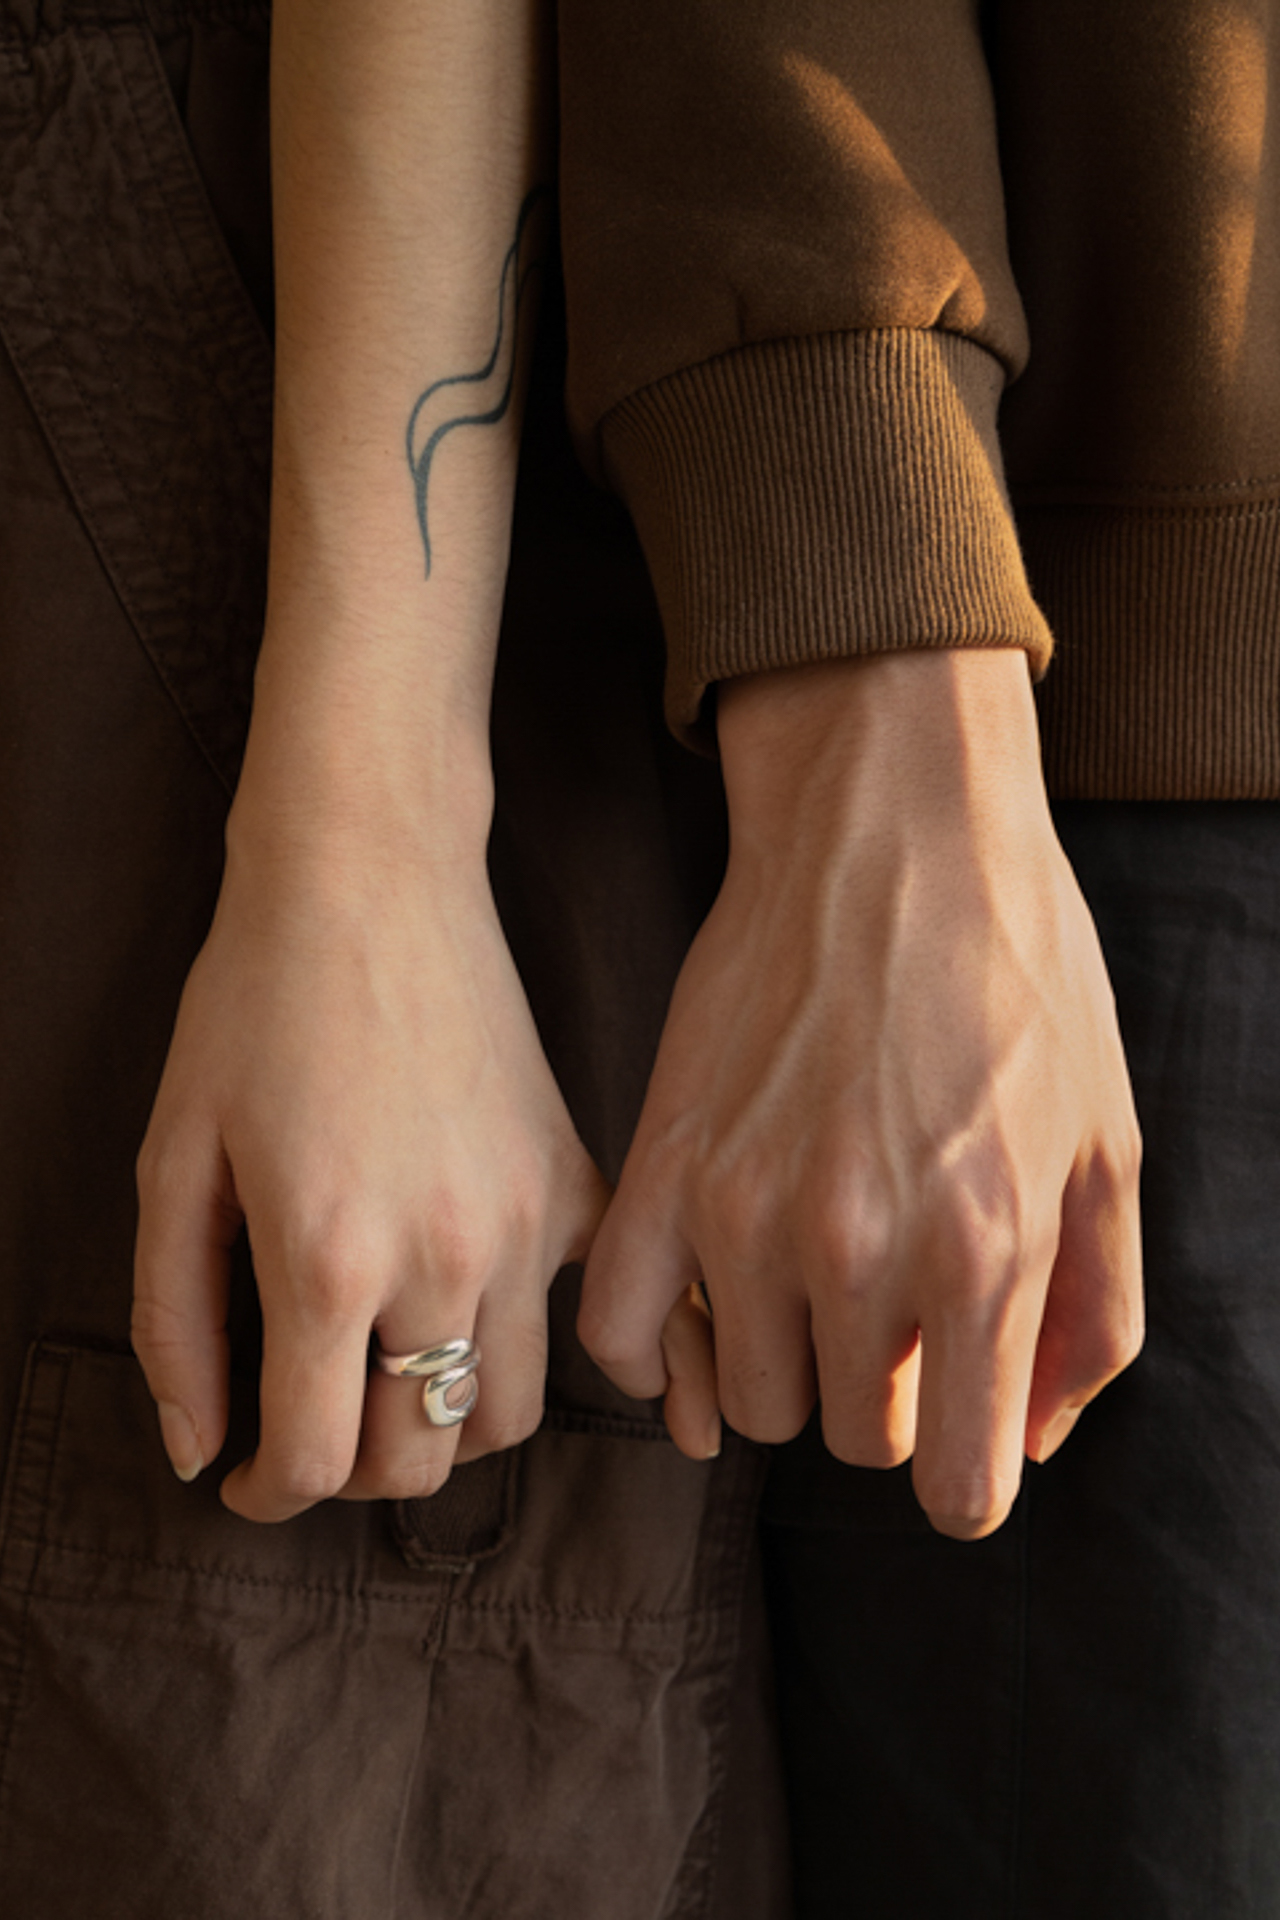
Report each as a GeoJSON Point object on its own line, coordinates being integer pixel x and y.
{"type": "Point", "coordinates": [1166, 682]}
{"type": "Point", "coordinates": [815, 498]}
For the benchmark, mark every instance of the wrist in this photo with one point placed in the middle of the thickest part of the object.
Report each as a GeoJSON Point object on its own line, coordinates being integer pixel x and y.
{"type": "Point", "coordinates": [360, 772]}
{"type": "Point", "coordinates": [949, 733]}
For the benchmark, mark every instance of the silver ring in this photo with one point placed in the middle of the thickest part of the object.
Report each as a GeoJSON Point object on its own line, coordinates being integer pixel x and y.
{"type": "Point", "coordinates": [441, 1369]}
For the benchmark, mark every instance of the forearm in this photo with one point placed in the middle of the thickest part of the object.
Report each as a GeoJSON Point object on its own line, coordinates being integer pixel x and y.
{"type": "Point", "coordinates": [406, 142]}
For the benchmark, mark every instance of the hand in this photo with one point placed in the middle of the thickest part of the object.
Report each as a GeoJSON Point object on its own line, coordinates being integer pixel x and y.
{"type": "Point", "coordinates": [890, 1123]}
{"type": "Point", "coordinates": [356, 1073]}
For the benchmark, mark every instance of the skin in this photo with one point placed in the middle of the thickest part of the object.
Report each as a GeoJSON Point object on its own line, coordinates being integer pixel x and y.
{"type": "Point", "coordinates": [890, 1125]}
{"type": "Point", "coordinates": [355, 1073]}
{"type": "Point", "coordinates": [889, 1128]}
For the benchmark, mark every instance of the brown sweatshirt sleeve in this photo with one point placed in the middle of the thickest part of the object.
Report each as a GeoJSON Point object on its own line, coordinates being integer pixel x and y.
{"type": "Point", "coordinates": [791, 319]}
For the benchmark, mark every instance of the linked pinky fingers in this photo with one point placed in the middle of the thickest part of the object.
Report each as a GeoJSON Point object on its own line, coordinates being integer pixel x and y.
{"type": "Point", "coordinates": [631, 1283]}
{"type": "Point", "coordinates": [692, 1403]}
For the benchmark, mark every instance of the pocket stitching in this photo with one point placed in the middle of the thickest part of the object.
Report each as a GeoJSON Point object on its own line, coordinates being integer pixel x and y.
{"type": "Point", "coordinates": [8, 1539]}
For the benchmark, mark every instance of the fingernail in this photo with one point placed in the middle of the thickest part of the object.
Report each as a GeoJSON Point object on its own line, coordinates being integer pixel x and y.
{"type": "Point", "coordinates": [180, 1442]}
{"type": "Point", "coordinates": [1056, 1432]}
{"type": "Point", "coordinates": [713, 1451]}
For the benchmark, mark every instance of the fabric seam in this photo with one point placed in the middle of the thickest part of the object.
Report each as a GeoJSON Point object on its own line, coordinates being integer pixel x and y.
{"type": "Point", "coordinates": [515, 1608]}
{"type": "Point", "coordinates": [749, 348]}
{"type": "Point", "coordinates": [195, 1569]}
{"type": "Point", "coordinates": [84, 507]}
{"type": "Point", "coordinates": [197, 340]}
{"type": "Point", "coordinates": [26, 1590]}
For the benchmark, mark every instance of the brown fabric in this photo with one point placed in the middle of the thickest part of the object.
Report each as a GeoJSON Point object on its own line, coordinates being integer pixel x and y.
{"type": "Point", "coordinates": [547, 1690]}
{"type": "Point", "coordinates": [1143, 444]}
{"type": "Point", "coordinates": [97, 210]}
{"type": "Point", "coordinates": [771, 170]}
{"type": "Point", "coordinates": [205, 1718]}
{"type": "Point", "coordinates": [738, 180]}
{"type": "Point", "coordinates": [904, 466]}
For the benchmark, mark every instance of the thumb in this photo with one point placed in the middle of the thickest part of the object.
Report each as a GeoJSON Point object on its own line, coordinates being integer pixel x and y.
{"type": "Point", "coordinates": [188, 1218]}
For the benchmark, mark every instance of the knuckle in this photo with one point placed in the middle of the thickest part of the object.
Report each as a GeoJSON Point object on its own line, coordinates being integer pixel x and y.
{"type": "Point", "coordinates": [986, 1238]}
{"type": "Point", "coordinates": [306, 1480]}
{"type": "Point", "coordinates": [984, 1245]}
{"type": "Point", "coordinates": [337, 1272]}
{"type": "Point", "coordinates": [609, 1344]}
{"type": "Point", "coordinates": [846, 1243]}
{"type": "Point", "coordinates": [156, 1329]}
{"type": "Point", "coordinates": [344, 1261]}
{"type": "Point", "coordinates": [636, 1365]}
{"type": "Point", "coordinates": [459, 1250]}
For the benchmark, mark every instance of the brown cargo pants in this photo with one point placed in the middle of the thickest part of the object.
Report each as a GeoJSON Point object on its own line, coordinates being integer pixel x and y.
{"type": "Point", "coordinates": [542, 1692]}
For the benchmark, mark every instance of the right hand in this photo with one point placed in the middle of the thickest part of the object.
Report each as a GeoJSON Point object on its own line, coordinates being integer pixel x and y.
{"type": "Point", "coordinates": [890, 1125]}
{"type": "Point", "coordinates": [356, 1074]}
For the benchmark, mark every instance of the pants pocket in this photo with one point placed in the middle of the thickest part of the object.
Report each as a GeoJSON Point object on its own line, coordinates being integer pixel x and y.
{"type": "Point", "coordinates": [197, 1716]}
{"type": "Point", "coordinates": [585, 1690]}
{"type": "Point", "coordinates": [527, 1699]}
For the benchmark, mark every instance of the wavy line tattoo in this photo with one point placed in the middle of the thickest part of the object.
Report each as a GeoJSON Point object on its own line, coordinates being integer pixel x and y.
{"type": "Point", "coordinates": [434, 413]}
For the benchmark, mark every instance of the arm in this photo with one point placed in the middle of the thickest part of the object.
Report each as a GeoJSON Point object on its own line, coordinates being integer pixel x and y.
{"type": "Point", "coordinates": [889, 1123]}
{"type": "Point", "coordinates": [355, 1070]}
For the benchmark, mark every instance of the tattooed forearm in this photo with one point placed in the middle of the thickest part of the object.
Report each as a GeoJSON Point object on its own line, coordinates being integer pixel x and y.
{"type": "Point", "coordinates": [478, 399]}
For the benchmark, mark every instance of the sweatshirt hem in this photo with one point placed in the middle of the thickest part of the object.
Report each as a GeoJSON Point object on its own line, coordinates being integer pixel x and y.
{"type": "Point", "coordinates": [821, 498]}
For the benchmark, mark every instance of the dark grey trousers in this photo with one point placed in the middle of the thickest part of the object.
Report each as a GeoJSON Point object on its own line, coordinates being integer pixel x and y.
{"type": "Point", "coordinates": [1079, 1718]}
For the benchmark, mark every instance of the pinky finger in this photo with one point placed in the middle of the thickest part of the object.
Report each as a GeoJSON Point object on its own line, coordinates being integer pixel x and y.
{"type": "Point", "coordinates": [1092, 1327]}
{"type": "Point", "coordinates": [691, 1405]}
